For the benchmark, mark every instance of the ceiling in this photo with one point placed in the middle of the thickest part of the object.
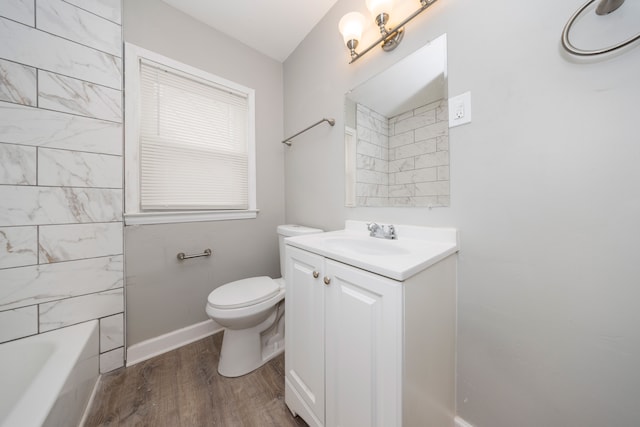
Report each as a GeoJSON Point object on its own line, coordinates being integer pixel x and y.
{"type": "Point", "coordinates": [274, 27]}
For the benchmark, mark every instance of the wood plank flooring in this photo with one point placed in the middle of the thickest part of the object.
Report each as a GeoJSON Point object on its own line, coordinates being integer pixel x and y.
{"type": "Point", "coordinates": [182, 388]}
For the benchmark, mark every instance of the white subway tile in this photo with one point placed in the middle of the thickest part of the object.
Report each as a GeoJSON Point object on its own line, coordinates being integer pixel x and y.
{"type": "Point", "coordinates": [18, 323]}
{"type": "Point", "coordinates": [401, 202]}
{"type": "Point", "coordinates": [442, 143]}
{"type": "Point", "coordinates": [17, 165]}
{"type": "Point", "coordinates": [109, 9]}
{"type": "Point", "coordinates": [78, 241]}
{"type": "Point", "coordinates": [372, 177]}
{"type": "Point", "coordinates": [416, 149]}
{"type": "Point", "coordinates": [439, 158]}
{"type": "Point", "coordinates": [417, 175]}
{"type": "Point", "coordinates": [415, 122]}
{"type": "Point", "coordinates": [19, 10]}
{"type": "Point", "coordinates": [69, 95]}
{"type": "Point", "coordinates": [112, 360]}
{"type": "Point", "coordinates": [443, 173]}
{"type": "Point", "coordinates": [70, 22]}
{"type": "Point", "coordinates": [52, 53]}
{"type": "Point", "coordinates": [400, 139]}
{"type": "Point", "coordinates": [426, 201]}
{"type": "Point", "coordinates": [69, 311]}
{"type": "Point", "coordinates": [372, 201]}
{"type": "Point", "coordinates": [368, 149]}
{"type": "Point", "coordinates": [18, 246]}
{"type": "Point", "coordinates": [432, 131]}
{"type": "Point", "coordinates": [437, 188]}
{"type": "Point", "coordinates": [371, 163]}
{"type": "Point", "coordinates": [406, 190]}
{"type": "Point", "coordinates": [401, 165]}
{"type": "Point", "coordinates": [111, 332]}
{"type": "Point", "coordinates": [17, 83]}
{"type": "Point", "coordinates": [78, 169]}
{"type": "Point", "coordinates": [54, 205]}
{"type": "Point", "coordinates": [371, 190]}
{"type": "Point", "coordinates": [25, 286]}
{"type": "Point", "coordinates": [43, 128]}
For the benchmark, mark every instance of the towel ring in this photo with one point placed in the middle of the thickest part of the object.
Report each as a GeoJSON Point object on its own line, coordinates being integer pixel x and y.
{"type": "Point", "coordinates": [581, 52]}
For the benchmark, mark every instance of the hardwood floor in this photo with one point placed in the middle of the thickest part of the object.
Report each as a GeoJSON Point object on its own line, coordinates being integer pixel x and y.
{"type": "Point", "coordinates": [182, 388]}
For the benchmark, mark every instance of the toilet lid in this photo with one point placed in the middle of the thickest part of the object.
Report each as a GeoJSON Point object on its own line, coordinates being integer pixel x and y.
{"type": "Point", "coordinates": [242, 293]}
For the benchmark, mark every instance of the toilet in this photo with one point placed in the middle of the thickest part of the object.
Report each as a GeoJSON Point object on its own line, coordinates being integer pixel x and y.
{"type": "Point", "coordinates": [252, 314]}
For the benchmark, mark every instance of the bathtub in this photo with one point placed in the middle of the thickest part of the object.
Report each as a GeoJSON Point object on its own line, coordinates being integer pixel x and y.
{"type": "Point", "coordinates": [47, 379]}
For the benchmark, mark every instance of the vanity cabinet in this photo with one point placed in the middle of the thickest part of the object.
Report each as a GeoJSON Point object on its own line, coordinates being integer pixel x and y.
{"type": "Point", "coordinates": [365, 350]}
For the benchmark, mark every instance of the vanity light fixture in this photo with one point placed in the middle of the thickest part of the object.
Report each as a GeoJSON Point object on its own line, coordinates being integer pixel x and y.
{"type": "Point", "coordinates": [352, 23]}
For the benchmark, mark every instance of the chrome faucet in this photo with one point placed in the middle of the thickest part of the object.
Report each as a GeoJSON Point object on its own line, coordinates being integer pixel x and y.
{"type": "Point", "coordinates": [378, 231]}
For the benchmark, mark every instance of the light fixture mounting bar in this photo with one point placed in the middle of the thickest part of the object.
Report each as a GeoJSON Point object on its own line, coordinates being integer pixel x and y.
{"type": "Point", "coordinates": [392, 32]}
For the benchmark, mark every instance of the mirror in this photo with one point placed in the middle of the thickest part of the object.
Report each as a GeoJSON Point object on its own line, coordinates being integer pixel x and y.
{"type": "Point", "coordinates": [397, 134]}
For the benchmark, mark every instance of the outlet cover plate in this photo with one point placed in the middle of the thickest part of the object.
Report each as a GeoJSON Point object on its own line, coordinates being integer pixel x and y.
{"type": "Point", "coordinates": [460, 109]}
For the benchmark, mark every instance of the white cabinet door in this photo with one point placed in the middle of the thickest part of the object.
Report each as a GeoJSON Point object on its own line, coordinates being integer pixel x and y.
{"type": "Point", "coordinates": [304, 335]}
{"type": "Point", "coordinates": [363, 348]}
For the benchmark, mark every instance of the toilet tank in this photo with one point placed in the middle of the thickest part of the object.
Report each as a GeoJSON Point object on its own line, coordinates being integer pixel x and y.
{"type": "Point", "coordinates": [288, 231]}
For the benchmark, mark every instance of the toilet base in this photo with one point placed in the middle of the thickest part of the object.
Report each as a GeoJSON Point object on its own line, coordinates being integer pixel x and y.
{"type": "Point", "coordinates": [245, 350]}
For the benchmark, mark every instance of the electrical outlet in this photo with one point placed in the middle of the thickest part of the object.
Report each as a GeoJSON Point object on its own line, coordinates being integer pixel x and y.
{"type": "Point", "coordinates": [460, 109]}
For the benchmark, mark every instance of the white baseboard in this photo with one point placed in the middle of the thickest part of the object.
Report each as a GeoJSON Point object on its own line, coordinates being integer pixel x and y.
{"type": "Point", "coordinates": [170, 341]}
{"type": "Point", "coordinates": [459, 422]}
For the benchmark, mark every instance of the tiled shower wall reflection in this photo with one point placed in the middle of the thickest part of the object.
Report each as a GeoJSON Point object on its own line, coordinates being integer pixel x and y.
{"type": "Point", "coordinates": [61, 259]}
{"type": "Point", "coordinates": [403, 160]}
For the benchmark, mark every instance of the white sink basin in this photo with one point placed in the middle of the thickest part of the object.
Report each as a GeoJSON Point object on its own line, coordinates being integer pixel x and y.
{"type": "Point", "coordinates": [416, 248]}
{"type": "Point", "coordinates": [365, 246]}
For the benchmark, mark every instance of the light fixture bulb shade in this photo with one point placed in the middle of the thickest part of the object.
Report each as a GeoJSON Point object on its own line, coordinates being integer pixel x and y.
{"type": "Point", "coordinates": [377, 7]}
{"type": "Point", "coordinates": [351, 26]}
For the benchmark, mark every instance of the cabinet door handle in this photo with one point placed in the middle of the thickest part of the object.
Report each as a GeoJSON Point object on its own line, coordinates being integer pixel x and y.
{"type": "Point", "coordinates": [316, 274]}
{"type": "Point", "coordinates": [327, 280]}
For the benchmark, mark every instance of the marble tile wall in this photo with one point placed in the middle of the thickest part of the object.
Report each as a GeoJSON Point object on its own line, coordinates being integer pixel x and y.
{"type": "Point", "coordinates": [403, 160]}
{"type": "Point", "coordinates": [61, 245]}
{"type": "Point", "coordinates": [419, 156]}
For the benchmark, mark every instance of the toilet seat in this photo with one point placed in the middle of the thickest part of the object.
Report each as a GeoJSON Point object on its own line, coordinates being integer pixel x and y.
{"type": "Point", "coordinates": [243, 293]}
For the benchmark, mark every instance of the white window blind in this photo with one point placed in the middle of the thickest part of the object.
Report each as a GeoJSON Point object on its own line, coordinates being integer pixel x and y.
{"type": "Point", "coordinates": [193, 142]}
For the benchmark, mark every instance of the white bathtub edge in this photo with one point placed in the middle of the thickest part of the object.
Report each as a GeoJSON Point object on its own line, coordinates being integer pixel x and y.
{"type": "Point", "coordinates": [459, 422]}
{"type": "Point", "coordinates": [145, 350]}
{"type": "Point", "coordinates": [87, 409]}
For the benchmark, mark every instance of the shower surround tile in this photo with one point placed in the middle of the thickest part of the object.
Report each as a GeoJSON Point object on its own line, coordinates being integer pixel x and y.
{"type": "Point", "coordinates": [18, 246]}
{"type": "Point", "coordinates": [19, 10]}
{"type": "Point", "coordinates": [18, 323]}
{"type": "Point", "coordinates": [44, 128]}
{"type": "Point", "coordinates": [58, 314]}
{"type": "Point", "coordinates": [58, 205]}
{"type": "Point", "coordinates": [49, 52]}
{"type": "Point", "coordinates": [111, 332]}
{"type": "Point", "coordinates": [111, 360]}
{"type": "Point", "coordinates": [77, 169]}
{"type": "Point", "coordinates": [72, 242]}
{"type": "Point", "coordinates": [108, 9]}
{"type": "Point", "coordinates": [61, 149]}
{"type": "Point", "coordinates": [49, 282]}
{"type": "Point", "coordinates": [68, 95]}
{"type": "Point", "coordinates": [413, 152]}
{"type": "Point", "coordinates": [17, 165]}
{"type": "Point", "coordinates": [70, 22]}
{"type": "Point", "coordinates": [17, 83]}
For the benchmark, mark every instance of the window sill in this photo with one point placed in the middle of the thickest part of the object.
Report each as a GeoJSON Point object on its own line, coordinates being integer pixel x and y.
{"type": "Point", "coordinates": [187, 216]}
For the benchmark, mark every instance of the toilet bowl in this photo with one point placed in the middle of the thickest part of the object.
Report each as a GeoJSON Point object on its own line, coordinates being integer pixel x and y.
{"type": "Point", "coordinates": [251, 311]}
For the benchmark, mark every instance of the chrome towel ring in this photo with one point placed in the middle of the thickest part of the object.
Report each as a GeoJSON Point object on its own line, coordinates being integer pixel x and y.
{"type": "Point", "coordinates": [606, 6]}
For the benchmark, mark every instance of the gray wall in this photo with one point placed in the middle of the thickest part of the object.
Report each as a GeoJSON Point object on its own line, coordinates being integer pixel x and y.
{"type": "Point", "coordinates": [545, 193]}
{"type": "Point", "coordinates": [163, 294]}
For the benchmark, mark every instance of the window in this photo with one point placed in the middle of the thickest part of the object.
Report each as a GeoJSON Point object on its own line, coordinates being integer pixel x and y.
{"type": "Point", "coordinates": [189, 145]}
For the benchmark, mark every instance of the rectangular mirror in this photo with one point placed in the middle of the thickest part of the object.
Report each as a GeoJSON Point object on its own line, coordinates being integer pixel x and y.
{"type": "Point", "coordinates": [397, 134]}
